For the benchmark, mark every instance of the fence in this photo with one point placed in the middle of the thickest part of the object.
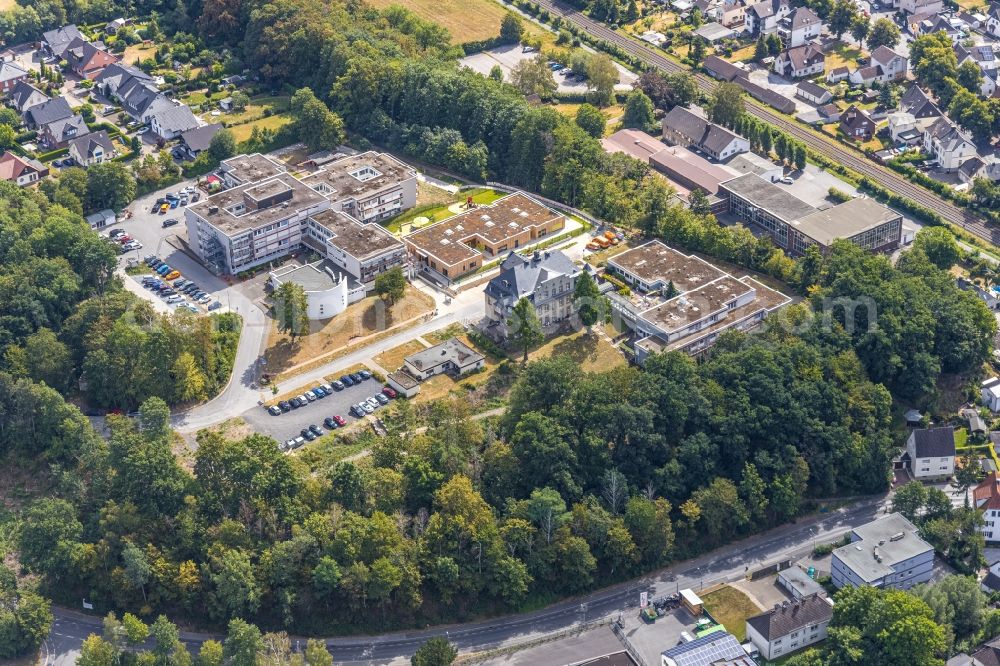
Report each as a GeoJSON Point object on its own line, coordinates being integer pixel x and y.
{"type": "Point", "coordinates": [629, 647]}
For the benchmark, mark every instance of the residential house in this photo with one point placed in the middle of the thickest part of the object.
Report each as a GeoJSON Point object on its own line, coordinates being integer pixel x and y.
{"type": "Point", "coordinates": [55, 42]}
{"type": "Point", "coordinates": [866, 76]}
{"type": "Point", "coordinates": [47, 112]}
{"type": "Point", "coordinates": [23, 96]}
{"type": "Point", "coordinates": [21, 170]}
{"type": "Point", "coordinates": [930, 453]}
{"type": "Point", "coordinates": [856, 124]}
{"type": "Point", "coordinates": [903, 128]}
{"type": "Point", "coordinates": [11, 74]}
{"type": "Point", "coordinates": [58, 133]}
{"type": "Point", "coordinates": [894, 66]}
{"type": "Point", "coordinates": [86, 59]}
{"type": "Point", "coordinates": [719, 647]}
{"type": "Point", "coordinates": [813, 93]}
{"type": "Point", "coordinates": [141, 100]}
{"type": "Point", "coordinates": [917, 103]}
{"type": "Point", "coordinates": [732, 14]}
{"type": "Point", "coordinates": [993, 19]}
{"type": "Point", "coordinates": [948, 145]}
{"type": "Point", "coordinates": [986, 498]}
{"type": "Point", "coordinates": [169, 123]}
{"type": "Point", "coordinates": [116, 75]}
{"type": "Point", "coordinates": [194, 141]}
{"type": "Point", "coordinates": [114, 25]}
{"type": "Point", "coordinates": [838, 74]}
{"type": "Point", "coordinates": [989, 653]}
{"type": "Point", "coordinates": [921, 6]}
{"type": "Point", "coordinates": [829, 113]}
{"type": "Point", "coordinates": [800, 61]}
{"type": "Point", "coordinates": [684, 127]}
{"type": "Point", "coordinates": [547, 279]}
{"type": "Point", "coordinates": [801, 26]}
{"type": "Point", "coordinates": [976, 20]}
{"type": "Point", "coordinates": [887, 553]}
{"type": "Point", "coordinates": [92, 148]}
{"type": "Point", "coordinates": [452, 357]}
{"type": "Point", "coordinates": [790, 626]}
{"type": "Point", "coordinates": [981, 55]}
{"type": "Point", "coordinates": [927, 24]}
{"type": "Point", "coordinates": [990, 391]}
{"type": "Point", "coordinates": [763, 17]}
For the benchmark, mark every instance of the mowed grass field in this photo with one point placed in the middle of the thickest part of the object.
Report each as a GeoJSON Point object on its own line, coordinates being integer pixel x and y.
{"type": "Point", "coordinates": [466, 20]}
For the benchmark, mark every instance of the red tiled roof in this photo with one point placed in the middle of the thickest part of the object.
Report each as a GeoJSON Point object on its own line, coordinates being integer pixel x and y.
{"type": "Point", "coordinates": [987, 494]}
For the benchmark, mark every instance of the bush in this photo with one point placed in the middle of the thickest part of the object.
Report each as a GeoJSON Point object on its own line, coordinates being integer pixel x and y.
{"type": "Point", "coordinates": [840, 196]}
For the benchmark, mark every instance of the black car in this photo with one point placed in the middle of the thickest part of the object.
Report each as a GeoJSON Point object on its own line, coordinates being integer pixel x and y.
{"type": "Point", "coordinates": [347, 381]}
{"type": "Point", "coordinates": [150, 259]}
{"type": "Point", "coordinates": [316, 430]}
{"type": "Point", "coordinates": [284, 406]}
{"type": "Point", "coordinates": [365, 374]}
{"type": "Point", "coordinates": [337, 385]}
{"type": "Point", "coordinates": [156, 264]}
{"type": "Point", "coordinates": [308, 434]}
{"type": "Point", "coordinates": [191, 287]}
{"type": "Point", "coordinates": [357, 378]}
{"type": "Point", "coordinates": [357, 411]}
{"type": "Point", "coordinates": [294, 403]}
{"type": "Point", "coordinates": [329, 423]}
{"type": "Point", "coordinates": [170, 222]}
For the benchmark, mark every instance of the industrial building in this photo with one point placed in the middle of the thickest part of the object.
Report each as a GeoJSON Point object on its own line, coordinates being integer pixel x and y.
{"type": "Point", "coordinates": [795, 225]}
{"type": "Point", "coordinates": [886, 553]}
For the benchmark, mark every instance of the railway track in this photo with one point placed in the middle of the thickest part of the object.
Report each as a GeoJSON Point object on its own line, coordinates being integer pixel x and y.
{"type": "Point", "coordinates": [889, 179]}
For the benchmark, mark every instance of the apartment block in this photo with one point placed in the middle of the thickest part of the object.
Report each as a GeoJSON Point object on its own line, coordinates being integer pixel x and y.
{"type": "Point", "coordinates": [369, 187]}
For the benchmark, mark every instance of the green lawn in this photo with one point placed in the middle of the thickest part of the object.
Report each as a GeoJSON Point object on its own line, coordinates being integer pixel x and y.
{"type": "Point", "coordinates": [730, 608]}
{"type": "Point", "coordinates": [275, 122]}
{"type": "Point", "coordinates": [481, 196]}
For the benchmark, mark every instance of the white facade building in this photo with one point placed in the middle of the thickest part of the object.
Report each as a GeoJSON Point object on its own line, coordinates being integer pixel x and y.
{"type": "Point", "coordinates": [930, 453]}
{"type": "Point", "coordinates": [790, 626]}
{"type": "Point", "coordinates": [885, 553]}
{"type": "Point", "coordinates": [326, 290]}
{"type": "Point", "coordinates": [990, 390]}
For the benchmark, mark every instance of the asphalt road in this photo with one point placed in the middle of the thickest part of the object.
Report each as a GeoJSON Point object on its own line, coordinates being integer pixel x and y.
{"type": "Point", "coordinates": [832, 149]}
{"type": "Point", "coordinates": [722, 565]}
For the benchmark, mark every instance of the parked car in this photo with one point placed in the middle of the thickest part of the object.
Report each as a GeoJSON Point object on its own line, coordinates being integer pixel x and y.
{"type": "Point", "coordinates": [164, 208]}
{"type": "Point", "coordinates": [368, 408]}
{"type": "Point", "coordinates": [285, 407]}
{"type": "Point", "coordinates": [347, 381]}
{"type": "Point", "coordinates": [310, 396]}
{"type": "Point", "coordinates": [116, 233]}
{"type": "Point", "coordinates": [320, 393]}
{"type": "Point", "coordinates": [274, 410]}
{"type": "Point", "coordinates": [190, 308]}
{"type": "Point", "coordinates": [373, 403]}
{"type": "Point", "coordinates": [294, 403]}
{"type": "Point", "coordinates": [326, 388]}
{"type": "Point", "coordinates": [389, 392]}
{"type": "Point", "coordinates": [303, 400]}
{"type": "Point", "coordinates": [356, 378]}
{"type": "Point", "coordinates": [338, 385]}
{"type": "Point", "coordinates": [786, 180]}
{"type": "Point", "coordinates": [172, 275]}
{"type": "Point", "coordinates": [174, 298]}
{"type": "Point", "coordinates": [381, 398]}
{"type": "Point", "coordinates": [329, 423]}
{"type": "Point", "coordinates": [181, 282]}
{"type": "Point", "coordinates": [299, 441]}
{"type": "Point", "coordinates": [340, 420]}
{"type": "Point", "coordinates": [171, 222]}
{"type": "Point", "coordinates": [215, 306]}
{"type": "Point", "coordinates": [316, 430]}
{"type": "Point", "coordinates": [365, 374]}
{"type": "Point", "coordinates": [357, 411]}
{"type": "Point", "coordinates": [308, 434]}
{"type": "Point", "coordinates": [204, 299]}
{"type": "Point", "coordinates": [164, 269]}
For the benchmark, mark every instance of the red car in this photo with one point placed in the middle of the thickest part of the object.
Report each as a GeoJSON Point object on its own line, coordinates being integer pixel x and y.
{"type": "Point", "coordinates": [340, 421]}
{"type": "Point", "coordinates": [389, 392]}
{"type": "Point", "coordinates": [123, 239]}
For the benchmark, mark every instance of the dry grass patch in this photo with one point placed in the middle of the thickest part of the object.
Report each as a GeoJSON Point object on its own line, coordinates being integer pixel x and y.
{"type": "Point", "coordinates": [391, 359]}
{"type": "Point", "coordinates": [466, 20]}
{"type": "Point", "coordinates": [730, 608]}
{"type": "Point", "coordinates": [592, 352]}
{"type": "Point", "coordinates": [135, 52]}
{"type": "Point", "coordinates": [361, 319]}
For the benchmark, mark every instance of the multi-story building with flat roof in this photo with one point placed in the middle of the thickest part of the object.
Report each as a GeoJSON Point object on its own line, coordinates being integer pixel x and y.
{"type": "Point", "coordinates": [369, 187]}
{"type": "Point", "coordinates": [267, 213]}
{"type": "Point", "coordinates": [362, 250]}
{"type": "Point", "coordinates": [681, 302]}
{"type": "Point", "coordinates": [251, 224]}
{"type": "Point", "coordinates": [795, 225]}
{"type": "Point", "coordinates": [462, 243]}
{"type": "Point", "coordinates": [884, 553]}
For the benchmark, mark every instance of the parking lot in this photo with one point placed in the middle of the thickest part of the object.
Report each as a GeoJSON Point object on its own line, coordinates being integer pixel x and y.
{"type": "Point", "coordinates": [289, 424]}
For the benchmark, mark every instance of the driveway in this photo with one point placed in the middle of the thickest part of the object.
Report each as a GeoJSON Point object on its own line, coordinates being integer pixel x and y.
{"type": "Point", "coordinates": [779, 84]}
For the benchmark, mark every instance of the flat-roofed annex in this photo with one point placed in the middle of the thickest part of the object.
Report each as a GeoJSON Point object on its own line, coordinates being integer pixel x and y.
{"type": "Point", "coordinates": [691, 306]}
{"type": "Point", "coordinates": [359, 176]}
{"type": "Point", "coordinates": [656, 264]}
{"type": "Point", "coordinates": [361, 241]}
{"type": "Point", "coordinates": [251, 168]}
{"type": "Point", "coordinates": [452, 241]}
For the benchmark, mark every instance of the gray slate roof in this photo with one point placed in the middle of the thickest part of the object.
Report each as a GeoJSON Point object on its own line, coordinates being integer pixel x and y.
{"type": "Point", "coordinates": [520, 275]}
{"type": "Point", "coordinates": [176, 119]}
{"type": "Point", "coordinates": [790, 616]}
{"type": "Point", "coordinates": [50, 111]}
{"type": "Point", "coordinates": [60, 38]}
{"type": "Point", "coordinates": [934, 442]}
{"type": "Point", "coordinates": [22, 92]}
{"type": "Point", "coordinates": [65, 128]}
{"type": "Point", "coordinates": [702, 133]}
{"type": "Point", "coordinates": [88, 143]}
{"type": "Point", "coordinates": [199, 138]}
{"type": "Point", "coordinates": [11, 70]}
